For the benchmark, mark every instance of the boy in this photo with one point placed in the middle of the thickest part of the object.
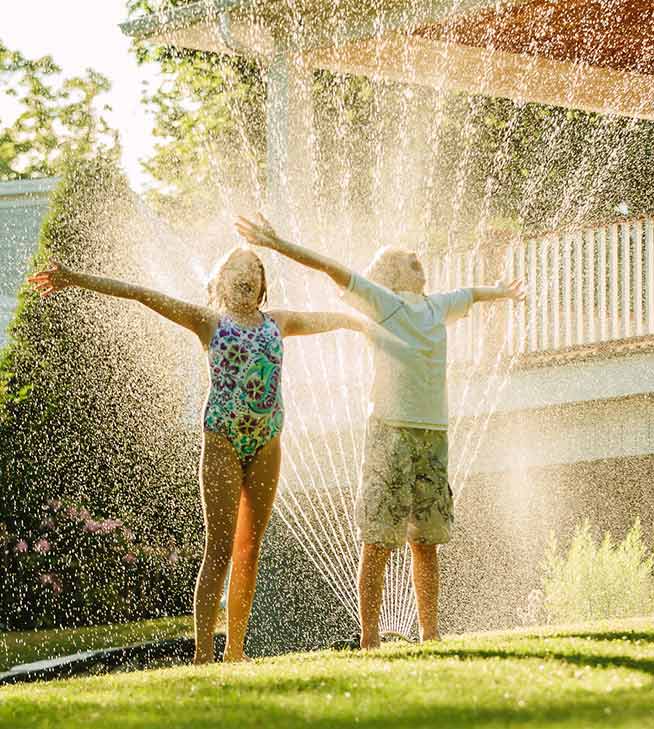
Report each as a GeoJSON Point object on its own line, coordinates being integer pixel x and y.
{"type": "Point", "coordinates": [404, 494]}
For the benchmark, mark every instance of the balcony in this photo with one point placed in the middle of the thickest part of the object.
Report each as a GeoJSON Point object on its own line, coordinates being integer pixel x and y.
{"type": "Point", "coordinates": [585, 288]}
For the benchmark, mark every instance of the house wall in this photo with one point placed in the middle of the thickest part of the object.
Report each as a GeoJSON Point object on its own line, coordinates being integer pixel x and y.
{"type": "Point", "coordinates": [23, 205]}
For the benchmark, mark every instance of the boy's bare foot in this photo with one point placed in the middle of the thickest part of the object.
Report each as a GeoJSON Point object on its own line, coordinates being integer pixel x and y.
{"type": "Point", "coordinates": [236, 657]}
{"type": "Point", "coordinates": [370, 642]}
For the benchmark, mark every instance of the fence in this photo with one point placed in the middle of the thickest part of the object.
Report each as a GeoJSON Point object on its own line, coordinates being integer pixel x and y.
{"type": "Point", "coordinates": [584, 287]}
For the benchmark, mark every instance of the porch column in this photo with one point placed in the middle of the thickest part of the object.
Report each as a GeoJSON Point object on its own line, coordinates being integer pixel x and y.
{"type": "Point", "coordinates": [290, 136]}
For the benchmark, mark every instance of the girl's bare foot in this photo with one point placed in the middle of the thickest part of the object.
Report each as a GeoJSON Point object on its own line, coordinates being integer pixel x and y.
{"type": "Point", "coordinates": [430, 637]}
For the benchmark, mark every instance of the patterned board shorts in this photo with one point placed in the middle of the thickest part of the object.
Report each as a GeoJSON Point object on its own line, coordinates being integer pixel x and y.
{"type": "Point", "coordinates": [404, 495]}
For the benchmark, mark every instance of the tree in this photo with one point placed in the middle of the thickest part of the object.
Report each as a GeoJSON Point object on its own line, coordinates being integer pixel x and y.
{"type": "Point", "coordinates": [209, 118]}
{"type": "Point", "coordinates": [89, 419]}
{"type": "Point", "coordinates": [57, 117]}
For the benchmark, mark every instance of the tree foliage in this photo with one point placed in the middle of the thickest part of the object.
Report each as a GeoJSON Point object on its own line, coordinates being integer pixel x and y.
{"type": "Point", "coordinates": [209, 120]}
{"type": "Point", "coordinates": [87, 418]}
{"type": "Point", "coordinates": [56, 117]}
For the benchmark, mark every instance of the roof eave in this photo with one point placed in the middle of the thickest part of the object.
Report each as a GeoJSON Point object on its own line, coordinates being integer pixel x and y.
{"type": "Point", "coordinates": [169, 20]}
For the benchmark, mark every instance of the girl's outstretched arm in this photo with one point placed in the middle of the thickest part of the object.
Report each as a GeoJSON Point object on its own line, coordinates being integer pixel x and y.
{"type": "Point", "coordinates": [262, 234]}
{"type": "Point", "coordinates": [304, 323]}
{"type": "Point", "coordinates": [199, 319]}
{"type": "Point", "coordinates": [299, 324]}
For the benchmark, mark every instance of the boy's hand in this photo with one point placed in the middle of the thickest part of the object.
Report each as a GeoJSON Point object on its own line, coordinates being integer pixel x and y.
{"type": "Point", "coordinates": [261, 234]}
{"type": "Point", "coordinates": [52, 279]}
{"type": "Point", "coordinates": [515, 291]}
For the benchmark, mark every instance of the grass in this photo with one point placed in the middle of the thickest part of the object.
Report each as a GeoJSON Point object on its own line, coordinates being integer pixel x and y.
{"type": "Point", "coordinates": [600, 675]}
{"type": "Point", "coordinates": [31, 646]}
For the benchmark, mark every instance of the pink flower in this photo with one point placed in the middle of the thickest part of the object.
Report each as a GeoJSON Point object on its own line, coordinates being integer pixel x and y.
{"type": "Point", "coordinates": [21, 546]}
{"type": "Point", "coordinates": [49, 579]}
{"type": "Point", "coordinates": [129, 558]}
{"type": "Point", "coordinates": [42, 546]}
{"type": "Point", "coordinates": [71, 511]}
{"type": "Point", "coordinates": [109, 525]}
{"type": "Point", "coordinates": [91, 526]}
{"type": "Point", "coordinates": [84, 514]}
{"type": "Point", "coordinates": [54, 504]}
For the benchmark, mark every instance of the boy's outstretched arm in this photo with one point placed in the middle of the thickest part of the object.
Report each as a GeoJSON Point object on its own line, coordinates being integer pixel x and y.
{"type": "Point", "coordinates": [514, 291]}
{"type": "Point", "coordinates": [262, 234]}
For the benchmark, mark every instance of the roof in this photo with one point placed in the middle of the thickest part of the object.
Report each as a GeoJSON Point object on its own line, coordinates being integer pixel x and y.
{"type": "Point", "coordinates": [36, 187]}
{"type": "Point", "coordinates": [171, 19]}
{"type": "Point", "coordinates": [614, 34]}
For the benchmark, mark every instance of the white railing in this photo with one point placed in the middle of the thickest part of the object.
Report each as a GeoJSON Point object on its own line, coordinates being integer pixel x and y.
{"type": "Point", "coordinates": [584, 287]}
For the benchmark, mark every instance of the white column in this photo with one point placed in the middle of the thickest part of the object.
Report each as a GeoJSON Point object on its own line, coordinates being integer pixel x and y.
{"type": "Point", "coordinates": [567, 292]}
{"type": "Point", "coordinates": [649, 274]}
{"type": "Point", "coordinates": [602, 281]}
{"type": "Point", "coordinates": [522, 326]}
{"type": "Point", "coordinates": [544, 299]}
{"type": "Point", "coordinates": [613, 281]}
{"type": "Point", "coordinates": [638, 277]}
{"type": "Point", "coordinates": [590, 285]}
{"type": "Point", "coordinates": [579, 288]}
{"type": "Point", "coordinates": [290, 135]}
{"type": "Point", "coordinates": [510, 322]}
{"type": "Point", "coordinates": [533, 297]}
{"type": "Point", "coordinates": [626, 279]}
{"type": "Point", "coordinates": [556, 293]}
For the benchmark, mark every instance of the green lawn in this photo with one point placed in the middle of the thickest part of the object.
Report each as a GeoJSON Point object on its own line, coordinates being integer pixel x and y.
{"type": "Point", "coordinates": [36, 645]}
{"type": "Point", "coordinates": [584, 676]}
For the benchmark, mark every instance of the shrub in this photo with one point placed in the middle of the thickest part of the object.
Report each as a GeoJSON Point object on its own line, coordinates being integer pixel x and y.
{"type": "Point", "coordinates": [90, 415]}
{"type": "Point", "coordinates": [598, 580]}
{"type": "Point", "coordinates": [74, 568]}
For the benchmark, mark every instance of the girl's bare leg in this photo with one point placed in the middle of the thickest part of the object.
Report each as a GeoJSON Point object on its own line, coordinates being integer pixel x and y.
{"type": "Point", "coordinates": [257, 496]}
{"type": "Point", "coordinates": [425, 584]}
{"type": "Point", "coordinates": [221, 477]}
{"type": "Point", "coordinates": [372, 565]}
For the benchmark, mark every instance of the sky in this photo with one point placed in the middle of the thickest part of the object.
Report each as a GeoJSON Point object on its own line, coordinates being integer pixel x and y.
{"type": "Point", "coordinates": [82, 34]}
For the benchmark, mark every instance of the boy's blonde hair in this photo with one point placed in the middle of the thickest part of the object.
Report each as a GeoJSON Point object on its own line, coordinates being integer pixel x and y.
{"type": "Point", "coordinates": [383, 268]}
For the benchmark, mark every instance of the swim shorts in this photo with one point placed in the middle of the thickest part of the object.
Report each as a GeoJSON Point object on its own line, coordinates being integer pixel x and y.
{"type": "Point", "coordinates": [404, 494]}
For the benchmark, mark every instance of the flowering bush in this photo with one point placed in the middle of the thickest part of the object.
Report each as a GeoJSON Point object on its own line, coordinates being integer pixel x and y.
{"type": "Point", "coordinates": [598, 580]}
{"type": "Point", "coordinates": [77, 568]}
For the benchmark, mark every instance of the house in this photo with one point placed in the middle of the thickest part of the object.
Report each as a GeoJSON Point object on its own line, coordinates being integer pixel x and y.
{"type": "Point", "coordinates": [23, 205]}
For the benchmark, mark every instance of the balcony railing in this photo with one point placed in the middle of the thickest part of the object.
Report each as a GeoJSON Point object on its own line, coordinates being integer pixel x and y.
{"type": "Point", "coordinates": [584, 287]}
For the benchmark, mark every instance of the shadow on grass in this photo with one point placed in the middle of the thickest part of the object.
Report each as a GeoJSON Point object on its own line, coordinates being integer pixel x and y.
{"type": "Point", "coordinates": [252, 707]}
{"type": "Point", "coordinates": [624, 637]}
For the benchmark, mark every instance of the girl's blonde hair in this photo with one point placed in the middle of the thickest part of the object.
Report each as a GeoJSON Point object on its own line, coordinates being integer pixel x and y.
{"type": "Point", "coordinates": [383, 268]}
{"type": "Point", "coordinates": [215, 284]}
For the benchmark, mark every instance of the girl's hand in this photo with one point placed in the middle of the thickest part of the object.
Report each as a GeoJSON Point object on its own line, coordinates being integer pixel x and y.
{"type": "Point", "coordinates": [514, 290]}
{"type": "Point", "coordinates": [52, 279]}
{"type": "Point", "coordinates": [260, 234]}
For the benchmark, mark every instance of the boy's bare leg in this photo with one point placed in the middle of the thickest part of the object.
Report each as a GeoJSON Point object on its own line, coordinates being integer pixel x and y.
{"type": "Point", "coordinates": [371, 587]}
{"type": "Point", "coordinates": [425, 584]}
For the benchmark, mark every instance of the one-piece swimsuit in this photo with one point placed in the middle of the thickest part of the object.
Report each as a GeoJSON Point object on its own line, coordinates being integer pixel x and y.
{"type": "Point", "coordinates": [245, 398]}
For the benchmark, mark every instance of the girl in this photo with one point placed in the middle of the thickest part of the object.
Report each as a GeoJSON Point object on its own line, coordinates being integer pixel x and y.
{"type": "Point", "coordinates": [242, 422]}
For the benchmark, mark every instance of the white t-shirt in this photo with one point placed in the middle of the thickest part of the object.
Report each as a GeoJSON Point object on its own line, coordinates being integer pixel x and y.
{"type": "Point", "coordinates": [409, 382]}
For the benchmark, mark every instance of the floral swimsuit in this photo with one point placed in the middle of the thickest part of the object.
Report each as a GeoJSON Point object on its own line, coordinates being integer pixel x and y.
{"type": "Point", "coordinates": [245, 399]}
